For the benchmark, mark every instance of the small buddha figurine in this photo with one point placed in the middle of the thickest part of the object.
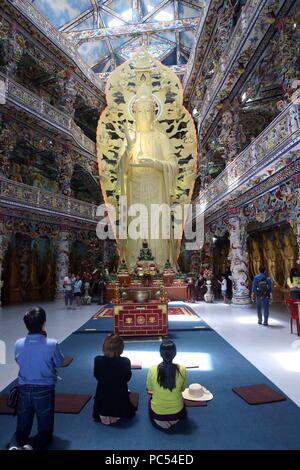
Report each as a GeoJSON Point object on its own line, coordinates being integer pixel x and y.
{"type": "Point", "coordinates": [123, 265]}
{"type": "Point", "coordinates": [167, 265]}
{"type": "Point", "coordinates": [145, 253]}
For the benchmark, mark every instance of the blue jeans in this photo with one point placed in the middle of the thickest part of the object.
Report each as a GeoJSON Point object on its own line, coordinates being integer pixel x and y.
{"type": "Point", "coordinates": [34, 400]}
{"type": "Point", "coordinates": [68, 297]}
{"type": "Point", "coordinates": [262, 302]}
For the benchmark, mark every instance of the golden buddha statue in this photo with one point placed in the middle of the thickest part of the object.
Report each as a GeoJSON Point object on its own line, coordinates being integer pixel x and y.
{"type": "Point", "coordinates": [147, 173]}
{"type": "Point", "coordinates": [138, 133]}
{"type": "Point", "coordinates": [289, 251]}
{"type": "Point", "coordinates": [14, 282]}
{"type": "Point", "coordinates": [47, 287]}
{"type": "Point", "coordinates": [270, 258]}
{"type": "Point", "coordinates": [33, 288]}
{"type": "Point", "coordinates": [255, 257]}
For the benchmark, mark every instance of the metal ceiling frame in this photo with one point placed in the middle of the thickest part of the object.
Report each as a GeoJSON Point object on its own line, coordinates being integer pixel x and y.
{"type": "Point", "coordinates": [98, 7]}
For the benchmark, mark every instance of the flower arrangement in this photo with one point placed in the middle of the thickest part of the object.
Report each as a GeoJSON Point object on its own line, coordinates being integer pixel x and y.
{"type": "Point", "coordinates": [207, 274]}
{"type": "Point", "coordinates": [87, 277]}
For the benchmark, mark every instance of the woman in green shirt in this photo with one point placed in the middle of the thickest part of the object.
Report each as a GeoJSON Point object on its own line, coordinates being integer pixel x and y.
{"type": "Point", "coordinates": [166, 383]}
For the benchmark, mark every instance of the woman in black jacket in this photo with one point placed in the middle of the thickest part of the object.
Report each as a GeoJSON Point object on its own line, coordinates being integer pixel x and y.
{"type": "Point", "coordinates": [112, 373]}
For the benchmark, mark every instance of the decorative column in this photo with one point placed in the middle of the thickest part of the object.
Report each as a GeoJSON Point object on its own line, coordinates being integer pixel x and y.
{"type": "Point", "coordinates": [13, 47]}
{"type": "Point", "coordinates": [7, 144]}
{"type": "Point", "coordinates": [231, 132]}
{"type": "Point", "coordinates": [65, 172]}
{"type": "Point", "coordinates": [238, 255]}
{"type": "Point", "coordinates": [68, 92]}
{"type": "Point", "coordinates": [2, 91]}
{"type": "Point", "coordinates": [224, 28]}
{"type": "Point", "coordinates": [207, 251]}
{"type": "Point", "coordinates": [296, 218]}
{"type": "Point", "coordinates": [4, 242]}
{"type": "Point", "coordinates": [62, 260]}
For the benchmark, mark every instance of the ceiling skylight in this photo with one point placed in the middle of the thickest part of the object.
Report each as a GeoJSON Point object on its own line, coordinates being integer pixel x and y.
{"type": "Point", "coordinates": [108, 32]}
{"type": "Point", "coordinates": [164, 16]}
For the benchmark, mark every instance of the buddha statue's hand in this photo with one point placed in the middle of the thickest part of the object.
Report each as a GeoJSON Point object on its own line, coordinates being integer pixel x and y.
{"type": "Point", "coordinates": [149, 163]}
{"type": "Point", "coordinates": [130, 135]}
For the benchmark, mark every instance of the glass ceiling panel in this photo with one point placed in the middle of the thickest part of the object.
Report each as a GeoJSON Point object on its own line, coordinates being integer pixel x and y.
{"type": "Point", "coordinates": [93, 52]}
{"type": "Point", "coordinates": [60, 12]}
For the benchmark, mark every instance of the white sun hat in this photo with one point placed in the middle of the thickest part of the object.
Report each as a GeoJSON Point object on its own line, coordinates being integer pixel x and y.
{"type": "Point", "coordinates": [197, 392]}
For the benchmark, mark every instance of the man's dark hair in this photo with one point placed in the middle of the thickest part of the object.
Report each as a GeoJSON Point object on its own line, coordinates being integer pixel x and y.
{"type": "Point", "coordinates": [34, 319]}
{"type": "Point", "coordinates": [262, 269]}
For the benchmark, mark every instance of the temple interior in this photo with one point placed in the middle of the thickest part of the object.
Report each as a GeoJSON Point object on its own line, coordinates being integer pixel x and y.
{"type": "Point", "coordinates": [176, 102]}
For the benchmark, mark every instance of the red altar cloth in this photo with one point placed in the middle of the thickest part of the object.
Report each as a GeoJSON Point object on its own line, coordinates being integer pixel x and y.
{"type": "Point", "coordinates": [134, 319]}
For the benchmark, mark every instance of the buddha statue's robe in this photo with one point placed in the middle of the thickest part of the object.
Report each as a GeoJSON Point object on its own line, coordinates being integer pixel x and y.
{"type": "Point", "coordinates": [148, 185]}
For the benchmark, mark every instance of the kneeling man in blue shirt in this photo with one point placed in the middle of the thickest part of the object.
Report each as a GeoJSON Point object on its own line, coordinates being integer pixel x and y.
{"type": "Point", "coordinates": [37, 357]}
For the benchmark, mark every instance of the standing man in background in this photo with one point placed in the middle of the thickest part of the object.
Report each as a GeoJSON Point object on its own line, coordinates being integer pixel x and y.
{"type": "Point", "coordinates": [262, 293]}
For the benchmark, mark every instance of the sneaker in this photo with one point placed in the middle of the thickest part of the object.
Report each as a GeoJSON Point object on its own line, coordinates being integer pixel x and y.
{"type": "Point", "coordinates": [27, 447]}
{"type": "Point", "coordinates": [15, 448]}
{"type": "Point", "coordinates": [265, 323]}
{"type": "Point", "coordinates": [259, 322]}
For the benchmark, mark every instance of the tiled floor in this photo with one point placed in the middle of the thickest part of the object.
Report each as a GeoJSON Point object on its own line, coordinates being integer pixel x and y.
{"type": "Point", "coordinates": [60, 324]}
{"type": "Point", "coordinates": [273, 350]}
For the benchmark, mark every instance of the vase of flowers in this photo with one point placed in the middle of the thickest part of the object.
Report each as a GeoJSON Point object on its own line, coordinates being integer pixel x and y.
{"type": "Point", "coordinates": [208, 276]}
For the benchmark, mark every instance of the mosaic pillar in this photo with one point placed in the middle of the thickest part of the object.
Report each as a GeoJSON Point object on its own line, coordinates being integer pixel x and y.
{"type": "Point", "coordinates": [296, 181]}
{"type": "Point", "coordinates": [224, 27]}
{"type": "Point", "coordinates": [238, 256]}
{"type": "Point", "coordinates": [207, 251]}
{"type": "Point", "coordinates": [66, 167]}
{"type": "Point", "coordinates": [4, 242]}
{"type": "Point", "coordinates": [7, 144]}
{"type": "Point", "coordinates": [62, 260]}
{"type": "Point", "coordinates": [68, 92]}
{"type": "Point", "coordinates": [13, 47]}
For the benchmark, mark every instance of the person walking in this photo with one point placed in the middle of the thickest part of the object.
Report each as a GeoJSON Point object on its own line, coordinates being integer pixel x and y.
{"type": "Point", "coordinates": [223, 284]}
{"type": "Point", "coordinates": [37, 357]}
{"type": "Point", "coordinates": [77, 290]}
{"type": "Point", "coordinates": [262, 294]}
{"type": "Point", "coordinates": [68, 290]}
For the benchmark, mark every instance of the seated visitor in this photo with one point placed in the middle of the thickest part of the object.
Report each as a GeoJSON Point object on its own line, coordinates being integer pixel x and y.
{"type": "Point", "coordinates": [166, 383]}
{"type": "Point", "coordinates": [112, 373]}
{"type": "Point", "coordinates": [293, 282]}
{"type": "Point", "coordinates": [37, 357]}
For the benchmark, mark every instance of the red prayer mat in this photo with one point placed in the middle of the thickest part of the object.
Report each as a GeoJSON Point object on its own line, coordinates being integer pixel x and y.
{"type": "Point", "coordinates": [64, 403]}
{"type": "Point", "coordinates": [258, 394]}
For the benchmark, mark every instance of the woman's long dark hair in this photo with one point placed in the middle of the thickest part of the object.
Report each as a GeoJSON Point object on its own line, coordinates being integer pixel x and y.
{"type": "Point", "coordinates": [166, 373]}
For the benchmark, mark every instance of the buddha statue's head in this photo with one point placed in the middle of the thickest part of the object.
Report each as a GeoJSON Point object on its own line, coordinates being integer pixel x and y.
{"type": "Point", "coordinates": [144, 109]}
